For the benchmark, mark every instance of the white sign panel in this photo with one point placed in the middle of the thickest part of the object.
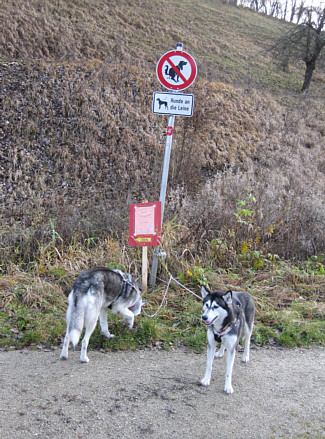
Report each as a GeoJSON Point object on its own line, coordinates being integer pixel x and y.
{"type": "Point", "coordinates": [176, 104]}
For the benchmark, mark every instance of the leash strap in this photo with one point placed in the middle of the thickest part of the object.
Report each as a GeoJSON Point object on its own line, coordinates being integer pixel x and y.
{"type": "Point", "coordinates": [165, 294]}
{"type": "Point", "coordinates": [162, 302]}
{"type": "Point", "coordinates": [184, 287]}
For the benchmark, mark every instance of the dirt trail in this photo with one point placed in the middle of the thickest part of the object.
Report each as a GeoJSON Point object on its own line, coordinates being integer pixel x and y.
{"type": "Point", "coordinates": [278, 394]}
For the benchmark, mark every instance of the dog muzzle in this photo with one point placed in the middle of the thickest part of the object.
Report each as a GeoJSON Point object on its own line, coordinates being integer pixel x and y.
{"type": "Point", "coordinates": [208, 322]}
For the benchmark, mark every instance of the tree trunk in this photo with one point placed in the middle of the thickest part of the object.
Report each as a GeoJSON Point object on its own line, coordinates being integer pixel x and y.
{"type": "Point", "coordinates": [293, 10]}
{"type": "Point", "coordinates": [310, 67]}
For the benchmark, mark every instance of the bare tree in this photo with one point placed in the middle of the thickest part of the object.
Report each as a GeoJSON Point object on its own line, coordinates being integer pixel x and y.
{"type": "Point", "coordinates": [293, 10]}
{"type": "Point", "coordinates": [300, 11]}
{"type": "Point", "coordinates": [304, 42]}
{"type": "Point", "coordinates": [254, 4]}
{"type": "Point", "coordinates": [275, 8]}
{"type": "Point", "coordinates": [285, 10]}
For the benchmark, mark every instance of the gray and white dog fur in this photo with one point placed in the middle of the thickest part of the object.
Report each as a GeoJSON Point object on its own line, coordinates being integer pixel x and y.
{"type": "Point", "coordinates": [227, 316]}
{"type": "Point", "coordinates": [93, 292]}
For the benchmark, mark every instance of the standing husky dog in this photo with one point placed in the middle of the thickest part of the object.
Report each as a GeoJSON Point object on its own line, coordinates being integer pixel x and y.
{"type": "Point", "coordinates": [93, 292]}
{"type": "Point", "coordinates": [227, 316]}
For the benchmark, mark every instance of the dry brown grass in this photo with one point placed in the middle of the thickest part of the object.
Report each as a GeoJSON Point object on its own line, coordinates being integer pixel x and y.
{"type": "Point", "coordinates": [79, 141]}
{"type": "Point", "coordinates": [227, 42]}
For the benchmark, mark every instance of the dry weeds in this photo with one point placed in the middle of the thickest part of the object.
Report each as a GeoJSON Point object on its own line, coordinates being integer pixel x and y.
{"type": "Point", "coordinates": [79, 141]}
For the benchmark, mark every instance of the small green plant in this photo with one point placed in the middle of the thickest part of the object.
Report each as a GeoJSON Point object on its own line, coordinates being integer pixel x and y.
{"type": "Point", "coordinates": [115, 266]}
{"type": "Point", "coordinates": [245, 209]}
{"type": "Point", "coordinates": [55, 236]}
{"type": "Point", "coordinates": [252, 250]}
{"type": "Point", "coordinates": [315, 265]}
{"type": "Point", "coordinates": [196, 274]}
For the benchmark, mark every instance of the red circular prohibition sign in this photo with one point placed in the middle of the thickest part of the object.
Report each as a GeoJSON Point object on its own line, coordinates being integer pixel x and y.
{"type": "Point", "coordinates": [167, 57]}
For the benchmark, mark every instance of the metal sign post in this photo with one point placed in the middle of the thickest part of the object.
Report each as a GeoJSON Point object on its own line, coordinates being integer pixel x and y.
{"type": "Point", "coordinates": [176, 70]}
{"type": "Point", "coordinates": [163, 189]}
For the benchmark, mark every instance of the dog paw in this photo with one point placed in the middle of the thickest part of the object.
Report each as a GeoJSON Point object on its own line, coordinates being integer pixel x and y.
{"type": "Point", "coordinates": [63, 357]}
{"type": "Point", "coordinates": [218, 354]}
{"type": "Point", "coordinates": [229, 390]}
{"type": "Point", "coordinates": [205, 382]}
{"type": "Point", "coordinates": [107, 335]}
{"type": "Point", "coordinates": [245, 358]}
{"type": "Point", "coordinates": [84, 360]}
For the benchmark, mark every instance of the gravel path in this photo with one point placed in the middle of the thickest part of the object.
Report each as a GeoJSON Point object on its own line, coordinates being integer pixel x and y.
{"type": "Point", "coordinates": [278, 394]}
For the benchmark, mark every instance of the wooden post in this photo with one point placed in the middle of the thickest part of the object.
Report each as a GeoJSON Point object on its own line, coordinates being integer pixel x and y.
{"type": "Point", "coordinates": [144, 268]}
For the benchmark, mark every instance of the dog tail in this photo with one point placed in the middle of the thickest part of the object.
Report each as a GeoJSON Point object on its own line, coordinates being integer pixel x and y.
{"type": "Point", "coordinates": [74, 336]}
{"type": "Point", "coordinates": [75, 316]}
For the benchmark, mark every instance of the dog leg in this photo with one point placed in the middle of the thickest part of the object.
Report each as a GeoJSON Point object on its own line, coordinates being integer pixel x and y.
{"type": "Point", "coordinates": [103, 324]}
{"type": "Point", "coordinates": [90, 325]}
{"type": "Point", "coordinates": [210, 355]}
{"type": "Point", "coordinates": [248, 333]}
{"type": "Point", "coordinates": [128, 316]}
{"type": "Point", "coordinates": [220, 352]}
{"type": "Point", "coordinates": [66, 341]}
{"type": "Point", "coordinates": [230, 365]}
{"type": "Point", "coordinates": [65, 346]}
{"type": "Point", "coordinates": [84, 344]}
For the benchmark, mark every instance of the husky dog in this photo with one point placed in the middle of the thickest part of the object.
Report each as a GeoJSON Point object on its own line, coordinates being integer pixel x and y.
{"type": "Point", "coordinates": [93, 292]}
{"type": "Point", "coordinates": [227, 316]}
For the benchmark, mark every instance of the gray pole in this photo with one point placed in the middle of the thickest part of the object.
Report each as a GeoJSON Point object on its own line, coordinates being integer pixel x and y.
{"type": "Point", "coordinates": [165, 171]}
{"type": "Point", "coordinates": [163, 187]}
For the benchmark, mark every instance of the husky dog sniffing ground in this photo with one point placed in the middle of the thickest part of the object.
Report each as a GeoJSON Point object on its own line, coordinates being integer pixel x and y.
{"type": "Point", "coordinates": [227, 316]}
{"type": "Point", "coordinates": [93, 292]}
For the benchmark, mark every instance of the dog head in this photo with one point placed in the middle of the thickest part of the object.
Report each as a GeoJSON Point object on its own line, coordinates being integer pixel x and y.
{"type": "Point", "coordinates": [182, 64]}
{"type": "Point", "coordinates": [215, 306]}
{"type": "Point", "coordinates": [137, 307]}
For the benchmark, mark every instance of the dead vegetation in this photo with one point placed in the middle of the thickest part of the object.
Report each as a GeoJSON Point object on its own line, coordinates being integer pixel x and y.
{"type": "Point", "coordinates": [79, 142]}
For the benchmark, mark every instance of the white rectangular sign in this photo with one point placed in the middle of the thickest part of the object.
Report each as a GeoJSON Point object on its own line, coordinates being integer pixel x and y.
{"type": "Point", "coordinates": [176, 104]}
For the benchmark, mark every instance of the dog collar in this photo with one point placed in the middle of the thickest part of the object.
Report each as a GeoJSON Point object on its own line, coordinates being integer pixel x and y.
{"type": "Point", "coordinates": [221, 333]}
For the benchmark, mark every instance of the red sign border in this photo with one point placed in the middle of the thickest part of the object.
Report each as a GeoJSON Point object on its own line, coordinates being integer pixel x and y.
{"type": "Point", "coordinates": [165, 57]}
{"type": "Point", "coordinates": [154, 238]}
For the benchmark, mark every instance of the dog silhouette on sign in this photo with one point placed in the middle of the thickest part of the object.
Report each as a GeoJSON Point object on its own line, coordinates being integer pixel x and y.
{"type": "Point", "coordinates": [171, 72]}
{"type": "Point", "coordinates": [162, 103]}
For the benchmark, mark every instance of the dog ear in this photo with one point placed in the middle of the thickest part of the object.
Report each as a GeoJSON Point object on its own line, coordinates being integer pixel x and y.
{"type": "Point", "coordinates": [204, 291]}
{"type": "Point", "coordinates": [227, 297]}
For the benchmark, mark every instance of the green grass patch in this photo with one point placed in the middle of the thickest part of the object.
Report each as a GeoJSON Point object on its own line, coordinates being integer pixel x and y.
{"type": "Point", "coordinates": [290, 308]}
{"type": "Point", "coordinates": [290, 328]}
{"type": "Point", "coordinates": [22, 326]}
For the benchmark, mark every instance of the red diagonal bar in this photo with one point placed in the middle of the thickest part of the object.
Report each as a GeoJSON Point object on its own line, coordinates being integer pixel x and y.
{"type": "Point", "coordinates": [176, 69]}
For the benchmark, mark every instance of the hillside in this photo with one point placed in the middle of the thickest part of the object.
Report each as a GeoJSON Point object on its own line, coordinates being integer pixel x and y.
{"type": "Point", "coordinates": [227, 42]}
{"type": "Point", "coordinates": [79, 141]}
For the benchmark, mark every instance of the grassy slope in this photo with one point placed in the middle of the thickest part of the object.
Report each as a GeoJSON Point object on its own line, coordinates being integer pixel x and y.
{"type": "Point", "coordinates": [57, 91]}
{"type": "Point", "coordinates": [227, 42]}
